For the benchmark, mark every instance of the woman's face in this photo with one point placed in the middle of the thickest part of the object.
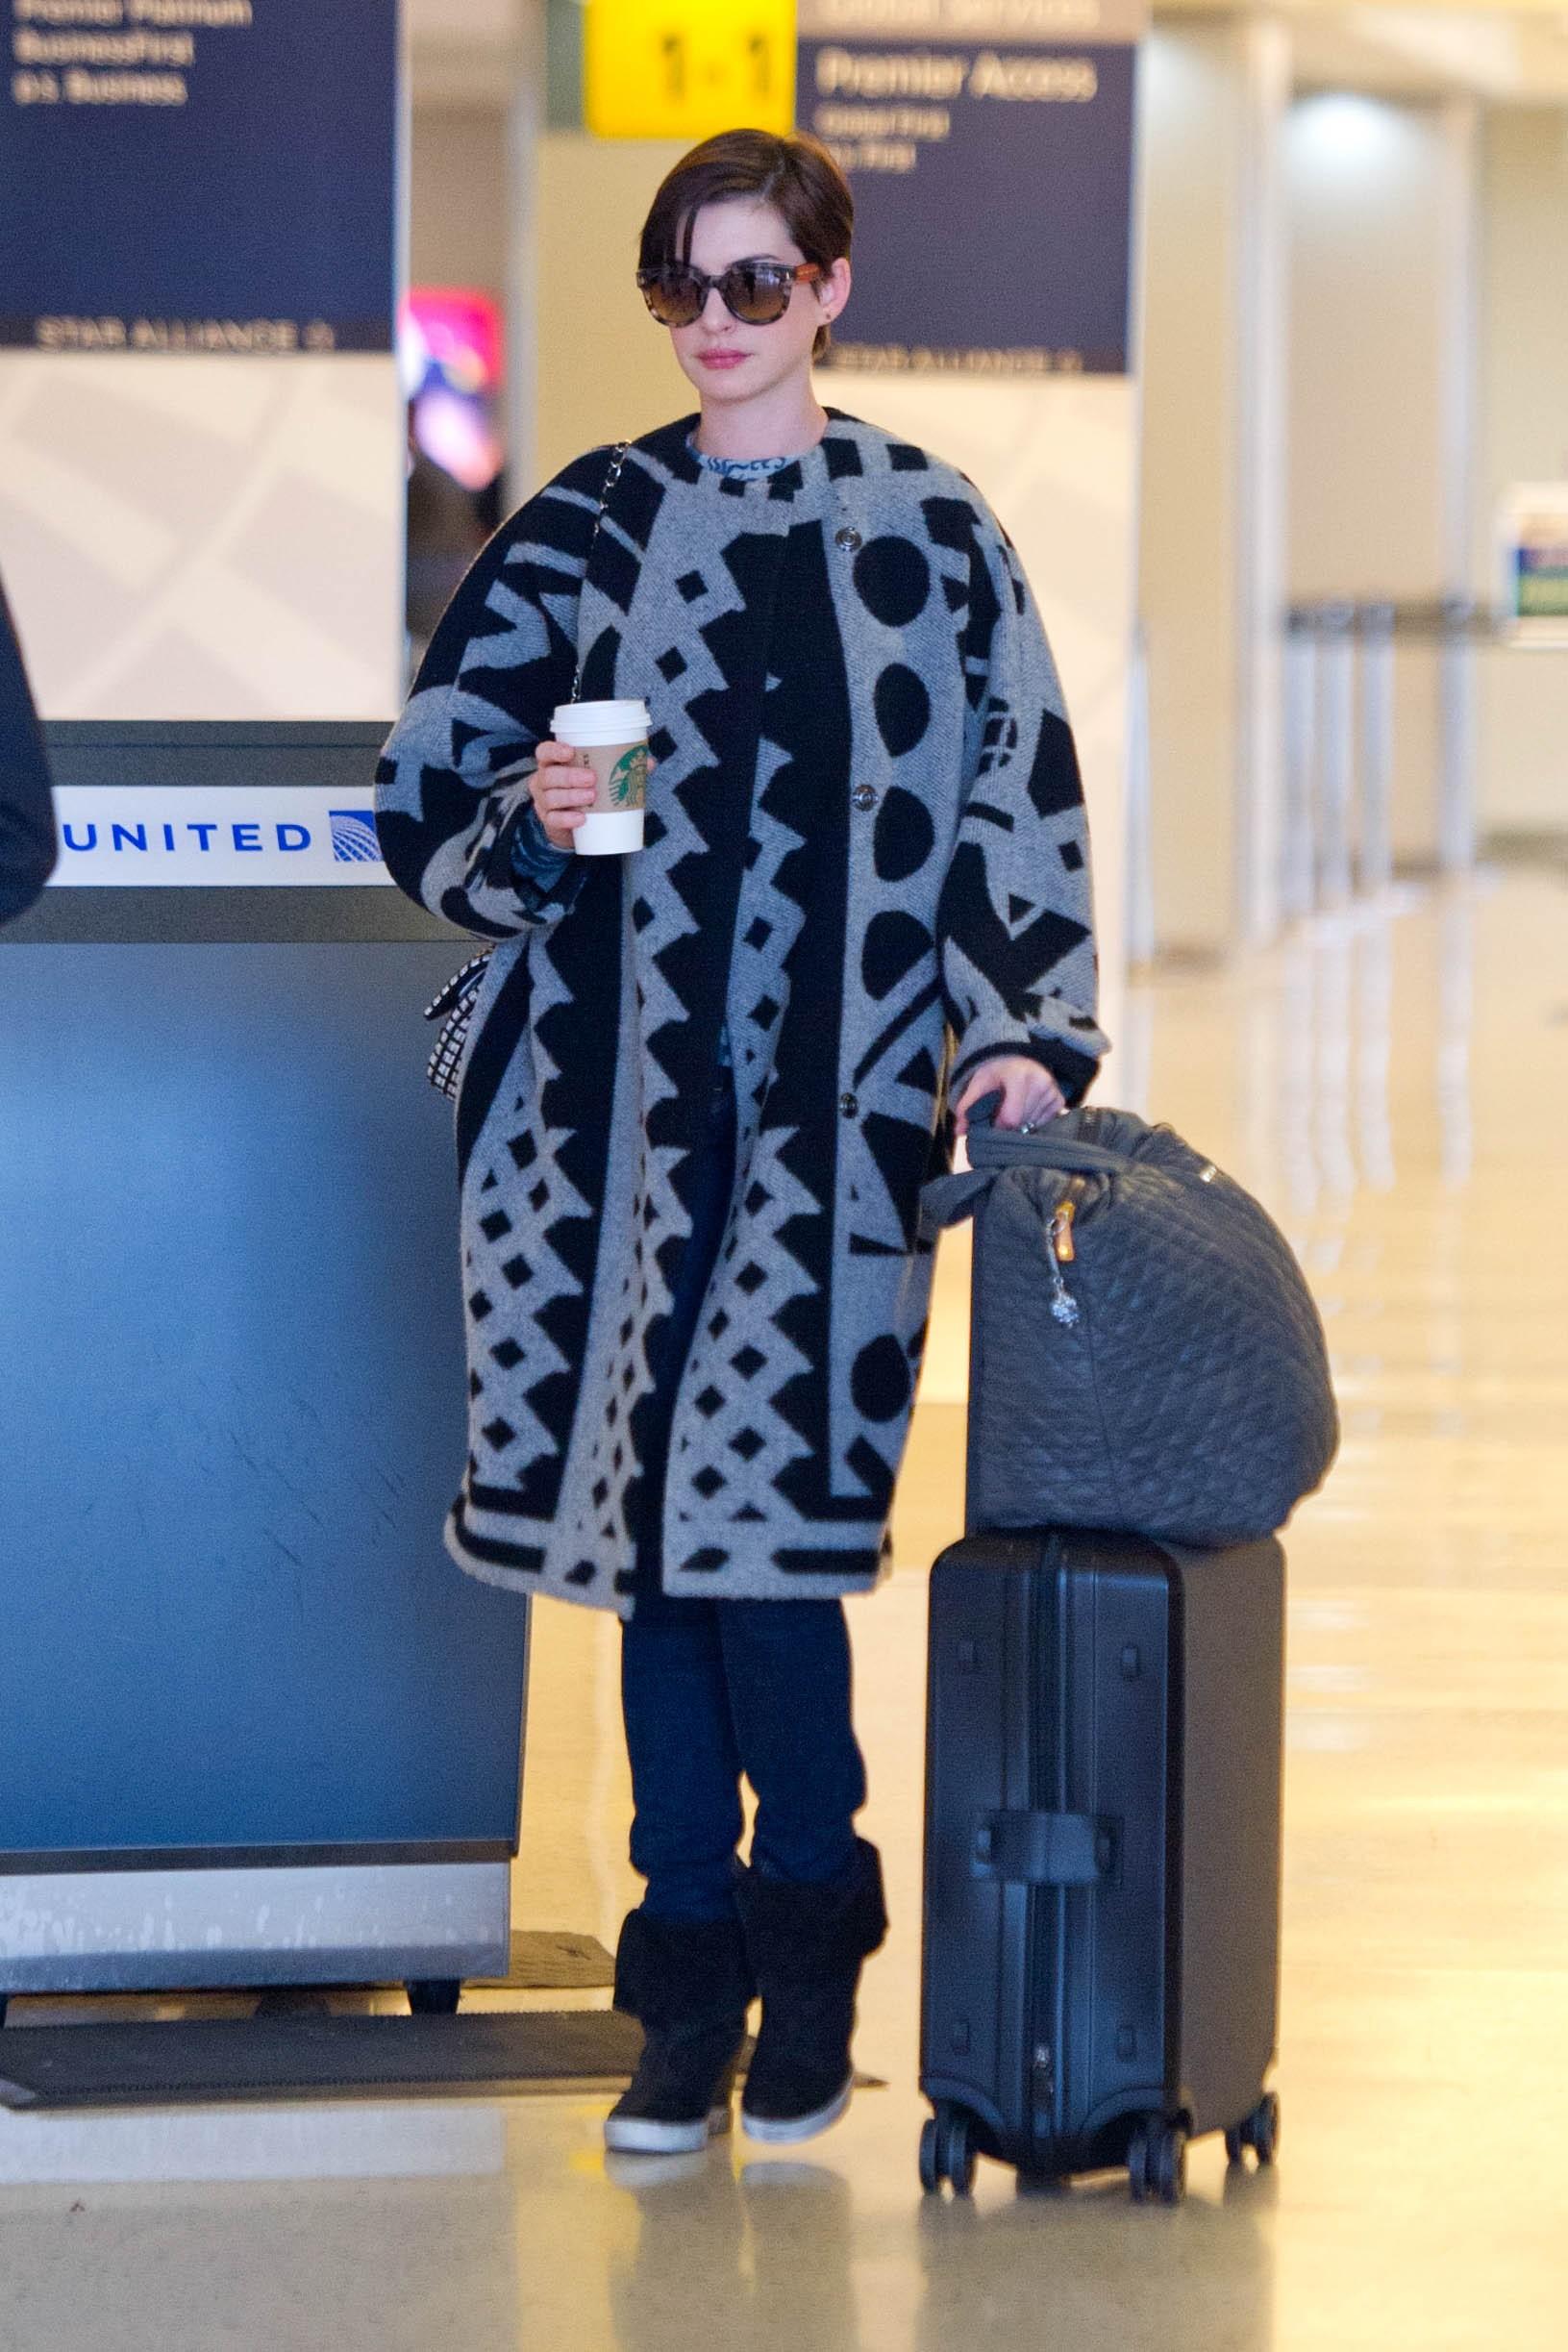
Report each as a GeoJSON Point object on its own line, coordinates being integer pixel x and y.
{"type": "Point", "coordinates": [727, 361]}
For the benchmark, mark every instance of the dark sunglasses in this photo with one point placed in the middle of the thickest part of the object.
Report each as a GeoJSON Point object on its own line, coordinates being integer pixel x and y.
{"type": "Point", "coordinates": [755, 292]}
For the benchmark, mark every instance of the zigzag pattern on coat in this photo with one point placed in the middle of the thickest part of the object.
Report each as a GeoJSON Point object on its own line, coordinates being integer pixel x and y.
{"type": "Point", "coordinates": [865, 853]}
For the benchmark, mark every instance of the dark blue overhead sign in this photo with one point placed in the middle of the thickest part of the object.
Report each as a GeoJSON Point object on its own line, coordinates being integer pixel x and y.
{"type": "Point", "coordinates": [989, 145]}
{"type": "Point", "coordinates": [198, 175]}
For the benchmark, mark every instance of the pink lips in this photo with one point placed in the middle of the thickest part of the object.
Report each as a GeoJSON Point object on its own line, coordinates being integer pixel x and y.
{"type": "Point", "coordinates": [723, 358]}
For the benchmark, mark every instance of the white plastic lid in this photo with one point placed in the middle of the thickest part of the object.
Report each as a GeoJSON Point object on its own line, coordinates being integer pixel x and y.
{"type": "Point", "coordinates": [581, 723]}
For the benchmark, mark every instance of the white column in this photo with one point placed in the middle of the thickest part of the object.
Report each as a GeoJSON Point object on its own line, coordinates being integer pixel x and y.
{"type": "Point", "coordinates": [1382, 202]}
{"type": "Point", "coordinates": [1212, 538]}
{"type": "Point", "coordinates": [1523, 438]}
{"type": "Point", "coordinates": [525, 130]}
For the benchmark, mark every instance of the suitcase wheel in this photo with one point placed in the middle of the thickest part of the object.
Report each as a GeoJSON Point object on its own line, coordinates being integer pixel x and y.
{"type": "Point", "coordinates": [946, 2152]}
{"type": "Point", "coordinates": [930, 2178]}
{"type": "Point", "coordinates": [1156, 2162]}
{"type": "Point", "coordinates": [1261, 2132]}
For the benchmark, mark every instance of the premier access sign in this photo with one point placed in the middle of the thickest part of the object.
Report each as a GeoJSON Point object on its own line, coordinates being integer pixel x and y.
{"type": "Point", "coordinates": [989, 145]}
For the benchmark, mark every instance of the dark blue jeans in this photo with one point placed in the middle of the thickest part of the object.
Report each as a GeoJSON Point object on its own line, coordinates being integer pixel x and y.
{"type": "Point", "coordinates": [712, 1690]}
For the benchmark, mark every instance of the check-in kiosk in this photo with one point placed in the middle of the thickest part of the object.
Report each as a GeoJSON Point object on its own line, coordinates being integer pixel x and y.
{"type": "Point", "coordinates": [255, 1727]}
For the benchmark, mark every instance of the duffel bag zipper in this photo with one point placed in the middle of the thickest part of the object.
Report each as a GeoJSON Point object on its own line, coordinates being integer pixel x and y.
{"type": "Point", "coordinates": [1062, 1229]}
{"type": "Point", "coordinates": [1062, 1250]}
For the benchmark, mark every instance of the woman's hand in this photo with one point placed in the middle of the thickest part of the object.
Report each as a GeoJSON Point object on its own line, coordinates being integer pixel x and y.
{"type": "Point", "coordinates": [562, 789]}
{"type": "Point", "coordinates": [562, 786]}
{"type": "Point", "coordinates": [1030, 1094]}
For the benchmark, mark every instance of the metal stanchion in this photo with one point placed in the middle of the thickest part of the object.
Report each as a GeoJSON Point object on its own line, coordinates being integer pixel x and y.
{"type": "Point", "coordinates": [1340, 743]}
{"type": "Point", "coordinates": [1336, 765]}
{"type": "Point", "coordinates": [1297, 859]}
{"type": "Point", "coordinates": [1456, 755]}
{"type": "Point", "coordinates": [1373, 834]}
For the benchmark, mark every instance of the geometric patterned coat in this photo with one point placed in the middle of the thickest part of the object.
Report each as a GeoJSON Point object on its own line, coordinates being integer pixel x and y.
{"type": "Point", "coordinates": [865, 853]}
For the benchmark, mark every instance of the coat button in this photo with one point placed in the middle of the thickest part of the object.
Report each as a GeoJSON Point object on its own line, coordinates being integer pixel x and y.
{"type": "Point", "coordinates": [864, 796]}
{"type": "Point", "coordinates": [849, 1104]}
{"type": "Point", "coordinates": [849, 538]}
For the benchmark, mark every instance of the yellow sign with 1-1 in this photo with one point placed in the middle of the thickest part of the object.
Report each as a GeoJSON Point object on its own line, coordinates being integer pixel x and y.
{"type": "Point", "coordinates": [686, 68]}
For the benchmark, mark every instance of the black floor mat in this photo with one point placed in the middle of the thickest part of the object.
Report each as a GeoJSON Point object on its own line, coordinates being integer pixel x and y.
{"type": "Point", "coordinates": [552, 1960]}
{"type": "Point", "coordinates": [293, 2056]}
{"type": "Point", "coordinates": [170, 2064]}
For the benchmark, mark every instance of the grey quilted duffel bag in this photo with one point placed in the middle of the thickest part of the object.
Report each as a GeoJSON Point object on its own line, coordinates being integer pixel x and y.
{"type": "Point", "coordinates": [1145, 1355]}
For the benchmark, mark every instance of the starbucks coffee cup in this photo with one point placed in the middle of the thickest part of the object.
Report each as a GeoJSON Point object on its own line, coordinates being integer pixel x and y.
{"type": "Point", "coordinates": [612, 737]}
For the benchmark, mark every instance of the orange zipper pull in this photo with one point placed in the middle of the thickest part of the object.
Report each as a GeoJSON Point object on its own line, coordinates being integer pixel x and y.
{"type": "Point", "coordinates": [1061, 1232]}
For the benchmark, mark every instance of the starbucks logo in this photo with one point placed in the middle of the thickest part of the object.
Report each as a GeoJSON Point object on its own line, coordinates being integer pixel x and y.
{"type": "Point", "coordinates": [628, 780]}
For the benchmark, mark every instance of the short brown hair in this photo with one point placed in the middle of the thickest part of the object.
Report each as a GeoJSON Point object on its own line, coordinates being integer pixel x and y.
{"type": "Point", "coordinates": [794, 172]}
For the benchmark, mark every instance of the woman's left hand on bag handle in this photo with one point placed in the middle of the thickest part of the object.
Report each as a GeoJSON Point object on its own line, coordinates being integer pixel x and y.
{"type": "Point", "coordinates": [1029, 1095]}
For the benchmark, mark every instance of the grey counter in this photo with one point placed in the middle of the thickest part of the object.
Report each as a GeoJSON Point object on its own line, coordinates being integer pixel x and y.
{"type": "Point", "coordinates": [254, 1724]}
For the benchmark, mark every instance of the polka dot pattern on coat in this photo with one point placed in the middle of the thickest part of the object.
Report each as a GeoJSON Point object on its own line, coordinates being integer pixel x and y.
{"type": "Point", "coordinates": [903, 708]}
{"type": "Point", "coordinates": [880, 1380]}
{"type": "Point", "coordinates": [893, 579]}
{"type": "Point", "coordinates": [894, 944]}
{"type": "Point", "coordinates": [905, 835]}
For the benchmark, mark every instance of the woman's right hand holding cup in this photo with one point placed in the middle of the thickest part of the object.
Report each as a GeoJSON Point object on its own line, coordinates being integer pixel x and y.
{"type": "Point", "coordinates": [562, 786]}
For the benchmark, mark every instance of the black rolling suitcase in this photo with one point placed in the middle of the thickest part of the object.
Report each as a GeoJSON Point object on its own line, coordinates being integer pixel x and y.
{"type": "Point", "coordinates": [1102, 1790]}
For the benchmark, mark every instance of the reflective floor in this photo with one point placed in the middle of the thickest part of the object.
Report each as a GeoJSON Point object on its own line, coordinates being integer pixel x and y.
{"type": "Point", "coordinates": [1395, 1084]}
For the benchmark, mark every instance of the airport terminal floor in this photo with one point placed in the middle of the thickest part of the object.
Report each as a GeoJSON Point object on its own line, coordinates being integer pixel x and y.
{"type": "Point", "coordinates": [1394, 1082]}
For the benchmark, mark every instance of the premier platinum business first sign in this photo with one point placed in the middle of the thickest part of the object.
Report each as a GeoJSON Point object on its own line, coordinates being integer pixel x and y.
{"type": "Point", "coordinates": [201, 437]}
{"type": "Point", "coordinates": [198, 175]}
{"type": "Point", "coordinates": [990, 147]}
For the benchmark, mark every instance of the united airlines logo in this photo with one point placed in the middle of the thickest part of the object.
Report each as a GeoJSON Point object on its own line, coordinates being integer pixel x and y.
{"type": "Point", "coordinates": [354, 839]}
{"type": "Point", "coordinates": [264, 837]}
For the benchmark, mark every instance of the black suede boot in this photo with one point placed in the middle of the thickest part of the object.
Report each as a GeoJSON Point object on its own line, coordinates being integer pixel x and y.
{"type": "Point", "coordinates": [805, 1945]}
{"type": "Point", "coordinates": [688, 1984]}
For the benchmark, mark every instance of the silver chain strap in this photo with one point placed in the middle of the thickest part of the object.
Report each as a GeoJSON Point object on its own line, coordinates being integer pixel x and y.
{"type": "Point", "coordinates": [611, 479]}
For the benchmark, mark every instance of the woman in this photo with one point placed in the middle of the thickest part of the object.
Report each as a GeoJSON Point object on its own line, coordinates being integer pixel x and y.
{"type": "Point", "coordinates": [706, 1083]}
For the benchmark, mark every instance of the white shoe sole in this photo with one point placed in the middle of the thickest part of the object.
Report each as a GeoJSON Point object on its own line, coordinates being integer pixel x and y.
{"type": "Point", "coordinates": [782, 2133]}
{"type": "Point", "coordinates": [641, 2136]}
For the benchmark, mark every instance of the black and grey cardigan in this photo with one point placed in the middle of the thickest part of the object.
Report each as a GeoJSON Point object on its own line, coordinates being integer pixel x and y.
{"type": "Point", "coordinates": [866, 854]}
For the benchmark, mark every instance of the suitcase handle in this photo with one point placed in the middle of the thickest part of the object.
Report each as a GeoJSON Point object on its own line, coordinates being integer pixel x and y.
{"type": "Point", "coordinates": [1044, 1849]}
